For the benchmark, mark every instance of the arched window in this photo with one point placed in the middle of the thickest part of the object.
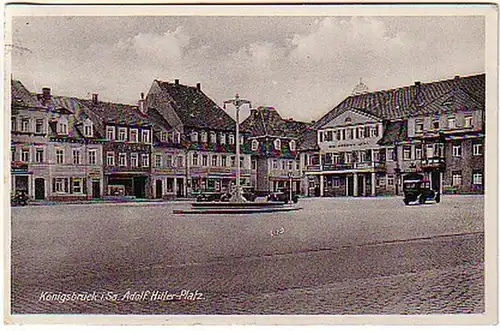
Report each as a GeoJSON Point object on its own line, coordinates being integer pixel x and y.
{"type": "Point", "coordinates": [293, 145]}
{"type": "Point", "coordinates": [203, 137]}
{"type": "Point", "coordinates": [277, 144]}
{"type": "Point", "coordinates": [348, 120]}
{"type": "Point", "coordinates": [223, 138]}
{"type": "Point", "coordinates": [194, 136]}
{"type": "Point", "coordinates": [88, 128]}
{"type": "Point", "coordinates": [213, 138]}
{"type": "Point", "coordinates": [231, 139]}
{"type": "Point", "coordinates": [255, 145]}
{"type": "Point", "coordinates": [62, 126]}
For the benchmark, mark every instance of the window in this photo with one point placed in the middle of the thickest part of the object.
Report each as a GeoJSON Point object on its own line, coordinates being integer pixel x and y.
{"type": "Point", "coordinates": [122, 159]}
{"type": "Point", "coordinates": [376, 155]}
{"type": "Point", "coordinates": [435, 124]}
{"type": "Point", "coordinates": [241, 140]}
{"type": "Point", "coordinates": [13, 122]}
{"type": "Point", "coordinates": [168, 161]}
{"type": "Point", "coordinates": [77, 185]}
{"type": "Point", "coordinates": [223, 161]}
{"type": "Point", "coordinates": [342, 134]}
{"type": "Point", "coordinates": [419, 125]}
{"type": "Point", "coordinates": [275, 164]}
{"type": "Point", "coordinates": [290, 165]}
{"type": "Point", "coordinates": [177, 137]}
{"type": "Point", "coordinates": [110, 158]}
{"type": "Point", "coordinates": [214, 160]}
{"type": "Point", "coordinates": [122, 134]}
{"type": "Point", "coordinates": [76, 156]}
{"type": "Point", "coordinates": [255, 145]}
{"type": "Point", "coordinates": [194, 136]}
{"type": "Point", "coordinates": [231, 139]}
{"type": "Point", "coordinates": [134, 160]}
{"type": "Point", "coordinates": [222, 138]}
{"type": "Point", "coordinates": [374, 131]}
{"type": "Point", "coordinates": [163, 136]}
{"type": "Point", "coordinates": [335, 159]}
{"type": "Point", "coordinates": [158, 161]}
{"type": "Point", "coordinates": [110, 133]}
{"type": "Point", "coordinates": [457, 150]}
{"type": "Point", "coordinates": [92, 156]}
{"type": "Point", "coordinates": [203, 137]}
{"type": "Point", "coordinates": [283, 164]}
{"type": "Point", "coordinates": [145, 136]}
{"type": "Point", "coordinates": [213, 138]}
{"type": "Point", "coordinates": [477, 178]}
{"type": "Point", "coordinates": [254, 164]}
{"type": "Point", "coordinates": [180, 161]}
{"type": "Point", "coordinates": [204, 160]}
{"type": "Point", "coordinates": [134, 135]}
{"type": "Point", "coordinates": [477, 149]}
{"type": "Point", "coordinates": [87, 129]}
{"type": "Point", "coordinates": [381, 181]}
{"type": "Point", "coordinates": [468, 122]}
{"type": "Point", "coordinates": [25, 155]}
{"type": "Point", "coordinates": [277, 144]}
{"type": "Point", "coordinates": [59, 156]}
{"type": "Point", "coordinates": [293, 145]}
{"type": "Point", "coordinates": [367, 132]}
{"type": "Point", "coordinates": [429, 151]}
{"type": "Point", "coordinates": [39, 155]}
{"type": "Point", "coordinates": [25, 125]}
{"type": "Point", "coordinates": [233, 161]}
{"type": "Point", "coordinates": [297, 165]}
{"type": "Point", "coordinates": [418, 152]}
{"type": "Point", "coordinates": [321, 136]}
{"type": "Point", "coordinates": [242, 162]}
{"type": "Point", "coordinates": [195, 159]}
{"type": "Point", "coordinates": [390, 180]}
{"type": "Point", "coordinates": [337, 133]}
{"type": "Point", "coordinates": [329, 135]}
{"type": "Point", "coordinates": [63, 127]}
{"type": "Point", "coordinates": [336, 182]}
{"type": "Point", "coordinates": [348, 158]}
{"type": "Point", "coordinates": [61, 185]}
{"type": "Point", "coordinates": [456, 179]}
{"type": "Point", "coordinates": [349, 134]}
{"type": "Point", "coordinates": [451, 123]}
{"type": "Point", "coordinates": [406, 152]}
{"type": "Point", "coordinates": [39, 126]}
{"type": "Point", "coordinates": [145, 160]}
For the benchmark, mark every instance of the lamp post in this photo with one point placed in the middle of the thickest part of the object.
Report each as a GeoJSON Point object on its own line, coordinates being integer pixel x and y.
{"type": "Point", "coordinates": [290, 175]}
{"type": "Point", "coordinates": [237, 102]}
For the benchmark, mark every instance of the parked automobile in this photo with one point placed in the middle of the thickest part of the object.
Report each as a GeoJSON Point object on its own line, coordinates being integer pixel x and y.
{"type": "Point", "coordinates": [19, 198]}
{"type": "Point", "coordinates": [416, 188]}
{"type": "Point", "coordinates": [283, 196]}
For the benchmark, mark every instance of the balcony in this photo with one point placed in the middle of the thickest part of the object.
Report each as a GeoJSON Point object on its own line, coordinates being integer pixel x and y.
{"type": "Point", "coordinates": [436, 162]}
{"type": "Point", "coordinates": [313, 167]}
{"type": "Point", "coordinates": [338, 166]}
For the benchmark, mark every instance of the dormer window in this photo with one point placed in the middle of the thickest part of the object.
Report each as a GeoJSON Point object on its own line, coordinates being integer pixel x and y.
{"type": "Point", "coordinates": [348, 120]}
{"type": "Point", "coordinates": [213, 138]}
{"type": "Point", "coordinates": [292, 145]}
{"type": "Point", "coordinates": [241, 140]}
{"type": "Point", "coordinates": [255, 145]}
{"type": "Point", "coordinates": [451, 123]}
{"type": "Point", "coordinates": [110, 133]}
{"type": "Point", "coordinates": [468, 122]}
{"type": "Point", "coordinates": [419, 125]}
{"type": "Point", "coordinates": [122, 134]}
{"type": "Point", "coordinates": [231, 139]}
{"type": "Point", "coordinates": [88, 130]}
{"type": "Point", "coordinates": [203, 137]}
{"type": "Point", "coordinates": [277, 144]}
{"type": "Point", "coordinates": [177, 137]}
{"type": "Point", "coordinates": [194, 136]}
{"type": "Point", "coordinates": [145, 136]}
{"type": "Point", "coordinates": [62, 126]}
{"type": "Point", "coordinates": [223, 138]}
{"type": "Point", "coordinates": [164, 136]}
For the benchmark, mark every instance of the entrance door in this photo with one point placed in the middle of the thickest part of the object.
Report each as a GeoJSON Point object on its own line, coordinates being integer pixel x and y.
{"type": "Point", "coordinates": [39, 188]}
{"type": "Point", "coordinates": [139, 184]}
{"type": "Point", "coordinates": [96, 189]}
{"type": "Point", "coordinates": [180, 187]}
{"type": "Point", "coordinates": [159, 188]}
{"type": "Point", "coordinates": [361, 185]}
{"type": "Point", "coordinates": [350, 186]}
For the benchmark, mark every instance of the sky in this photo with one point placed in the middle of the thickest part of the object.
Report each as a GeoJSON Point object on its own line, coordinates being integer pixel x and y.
{"type": "Point", "coordinates": [303, 66]}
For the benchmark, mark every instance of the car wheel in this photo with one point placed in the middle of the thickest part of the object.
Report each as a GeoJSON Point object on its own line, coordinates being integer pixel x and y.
{"type": "Point", "coordinates": [438, 198]}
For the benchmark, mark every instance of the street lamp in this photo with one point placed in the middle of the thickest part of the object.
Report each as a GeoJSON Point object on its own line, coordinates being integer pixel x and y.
{"type": "Point", "coordinates": [237, 102]}
{"type": "Point", "coordinates": [290, 175]}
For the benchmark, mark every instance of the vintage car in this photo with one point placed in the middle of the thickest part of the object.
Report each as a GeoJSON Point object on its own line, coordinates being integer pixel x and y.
{"type": "Point", "coordinates": [283, 196]}
{"type": "Point", "coordinates": [416, 188]}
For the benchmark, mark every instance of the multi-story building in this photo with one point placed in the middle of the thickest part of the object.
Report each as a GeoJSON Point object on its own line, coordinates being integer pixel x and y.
{"type": "Point", "coordinates": [372, 139]}
{"type": "Point", "coordinates": [56, 147]}
{"type": "Point", "coordinates": [126, 155]}
{"type": "Point", "coordinates": [208, 133]}
{"type": "Point", "coordinates": [274, 144]}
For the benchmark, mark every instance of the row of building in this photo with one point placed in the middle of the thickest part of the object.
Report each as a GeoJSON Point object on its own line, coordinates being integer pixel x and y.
{"type": "Point", "coordinates": [177, 142]}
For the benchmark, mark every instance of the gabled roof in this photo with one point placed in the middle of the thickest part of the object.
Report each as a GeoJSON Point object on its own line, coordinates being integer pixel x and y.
{"type": "Point", "coordinates": [117, 113]}
{"type": "Point", "coordinates": [266, 121]}
{"type": "Point", "coordinates": [194, 108]}
{"type": "Point", "coordinates": [308, 141]}
{"type": "Point", "coordinates": [21, 97]}
{"type": "Point", "coordinates": [412, 100]}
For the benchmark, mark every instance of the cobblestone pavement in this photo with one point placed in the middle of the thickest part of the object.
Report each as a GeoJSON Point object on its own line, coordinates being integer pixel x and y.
{"type": "Point", "coordinates": [341, 263]}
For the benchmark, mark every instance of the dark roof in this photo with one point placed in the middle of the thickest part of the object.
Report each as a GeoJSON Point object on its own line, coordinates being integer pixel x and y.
{"type": "Point", "coordinates": [194, 108]}
{"type": "Point", "coordinates": [308, 140]}
{"type": "Point", "coordinates": [158, 121]}
{"type": "Point", "coordinates": [411, 100]}
{"type": "Point", "coordinates": [266, 121]}
{"type": "Point", "coordinates": [22, 97]}
{"type": "Point", "coordinates": [394, 131]}
{"type": "Point", "coordinates": [117, 113]}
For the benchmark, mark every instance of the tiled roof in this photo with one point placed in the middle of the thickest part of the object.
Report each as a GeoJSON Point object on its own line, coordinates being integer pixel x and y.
{"type": "Point", "coordinates": [411, 100]}
{"type": "Point", "coordinates": [267, 121]}
{"type": "Point", "coordinates": [22, 97]}
{"type": "Point", "coordinates": [394, 131]}
{"type": "Point", "coordinates": [158, 121]}
{"type": "Point", "coordinates": [308, 140]}
{"type": "Point", "coordinates": [117, 113]}
{"type": "Point", "coordinates": [194, 108]}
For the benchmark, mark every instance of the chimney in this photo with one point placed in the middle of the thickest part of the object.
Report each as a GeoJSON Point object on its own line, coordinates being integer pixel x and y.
{"type": "Point", "coordinates": [46, 93]}
{"type": "Point", "coordinates": [457, 77]}
{"type": "Point", "coordinates": [95, 98]}
{"type": "Point", "coordinates": [142, 104]}
{"type": "Point", "coordinates": [176, 82]}
{"type": "Point", "coordinates": [198, 86]}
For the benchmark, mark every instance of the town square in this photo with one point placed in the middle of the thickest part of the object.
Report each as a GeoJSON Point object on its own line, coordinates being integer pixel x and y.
{"type": "Point", "coordinates": [250, 165]}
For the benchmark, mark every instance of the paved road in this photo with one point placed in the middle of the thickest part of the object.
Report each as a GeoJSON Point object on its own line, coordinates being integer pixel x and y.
{"type": "Point", "coordinates": [335, 256]}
